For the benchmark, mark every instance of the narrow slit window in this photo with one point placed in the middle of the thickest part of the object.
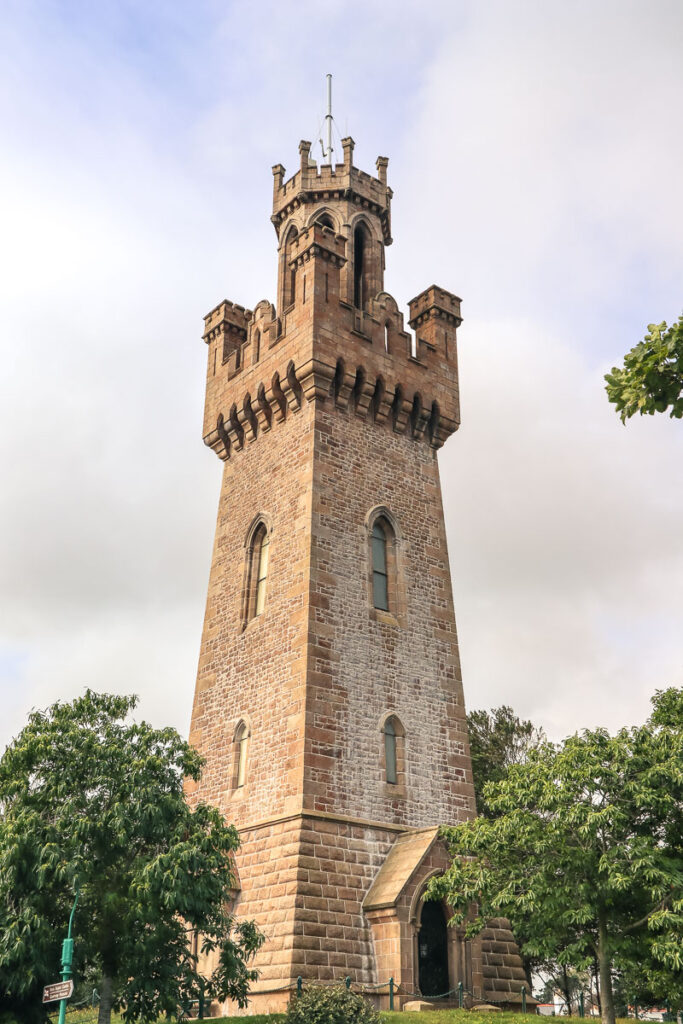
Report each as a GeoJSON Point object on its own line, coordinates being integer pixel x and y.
{"type": "Point", "coordinates": [390, 759]}
{"type": "Point", "coordinates": [241, 741]}
{"type": "Point", "coordinates": [380, 588]}
{"type": "Point", "coordinates": [261, 572]}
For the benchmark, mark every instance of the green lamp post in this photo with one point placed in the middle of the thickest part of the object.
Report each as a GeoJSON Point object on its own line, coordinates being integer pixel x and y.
{"type": "Point", "coordinates": [67, 958]}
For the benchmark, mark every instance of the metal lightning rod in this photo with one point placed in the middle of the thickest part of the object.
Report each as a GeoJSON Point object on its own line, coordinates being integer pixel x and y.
{"type": "Point", "coordinates": [328, 121]}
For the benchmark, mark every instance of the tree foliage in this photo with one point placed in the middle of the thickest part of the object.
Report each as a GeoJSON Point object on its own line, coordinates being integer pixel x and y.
{"type": "Point", "coordinates": [651, 379]}
{"type": "Point", "coordinates": [498, 739]}
{"type": "Point", "coordinates": [88, 799]}
{"type": "Point", "coordinates": [585, 856]}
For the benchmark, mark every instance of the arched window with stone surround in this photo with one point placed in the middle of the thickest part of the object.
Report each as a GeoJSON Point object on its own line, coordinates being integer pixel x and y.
{"type": "Point", "coordinates": [241, 744]}
{"type": "Point", "coordinates": [260, 563]}
{"type": "Point", "coordinates": [256, 570]}
{"type": "Point", "coordinates": [386, 587]}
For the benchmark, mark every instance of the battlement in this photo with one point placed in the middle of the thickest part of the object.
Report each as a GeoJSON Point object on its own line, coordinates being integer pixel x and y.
{"type": "Point", "coordinates": [318, 240]}
{"type": "Point", "coordinates": [316, 184]}
{"type": "Point", "coordinates": [263, 367]}
{"type": "Point", "coordinates": [336, 338]}
{"type": "Point", "coordinates": [434, 302]}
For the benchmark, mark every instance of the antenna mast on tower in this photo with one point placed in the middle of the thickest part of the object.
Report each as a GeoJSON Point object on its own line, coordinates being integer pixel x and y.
{"type": "Point", "coordinates": [327, 149]}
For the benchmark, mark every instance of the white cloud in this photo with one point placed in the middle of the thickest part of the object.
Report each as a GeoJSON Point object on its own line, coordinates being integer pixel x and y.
{"type": "Point", "coordinates": [565, 536]}
{"type": "Point", "coordinates": [544, 167]}
{"type": "Point", "coordinates": [542, 184]}
{"type": "Point", "coordinates": [535, 161]}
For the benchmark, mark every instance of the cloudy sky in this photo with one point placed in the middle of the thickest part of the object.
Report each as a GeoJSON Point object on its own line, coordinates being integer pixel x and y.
{"type": "Point", "coordinates": [535, 155]}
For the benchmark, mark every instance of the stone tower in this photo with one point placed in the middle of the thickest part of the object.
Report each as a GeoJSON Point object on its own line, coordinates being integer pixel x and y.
{"type": "Point", "coordinates": [329, 703]}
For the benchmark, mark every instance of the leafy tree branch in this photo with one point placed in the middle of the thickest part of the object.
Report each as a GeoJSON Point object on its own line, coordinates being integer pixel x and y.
{"type": "Point", "coordinates": [651, 379]}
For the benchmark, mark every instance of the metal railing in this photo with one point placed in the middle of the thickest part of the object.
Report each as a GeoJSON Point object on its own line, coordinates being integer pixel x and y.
{"type": "Point", "coordinates": [392, 989]}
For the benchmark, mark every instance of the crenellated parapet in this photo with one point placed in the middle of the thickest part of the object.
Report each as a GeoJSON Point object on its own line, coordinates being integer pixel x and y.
{"type": "Point", "coordinates": [373, 369]}
{"type": "Point", "coordinates": [317, 241]}
{"type": "Point", "coordinates": [336, 337]}
{"type": "Point", "coordinates": [314, 185]}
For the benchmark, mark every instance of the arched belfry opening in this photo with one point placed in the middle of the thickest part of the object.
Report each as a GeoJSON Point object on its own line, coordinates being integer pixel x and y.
{"type": "Point", "coordinates": [289, 272]}
{"type": "Point", "coordinates": [361, 257]}
{"type": "Point", "coordinates": [432, 951]}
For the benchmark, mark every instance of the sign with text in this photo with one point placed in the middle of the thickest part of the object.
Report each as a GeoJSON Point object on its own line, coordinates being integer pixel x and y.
{"type": "Point", "coordinates": [60, 990]}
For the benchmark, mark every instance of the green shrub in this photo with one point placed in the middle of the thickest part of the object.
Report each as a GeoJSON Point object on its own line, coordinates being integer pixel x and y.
{"type": "Point", "coordinates": [318, 1005]}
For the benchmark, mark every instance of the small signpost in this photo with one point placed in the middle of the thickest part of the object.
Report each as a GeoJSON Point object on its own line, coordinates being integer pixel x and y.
{"type": "Point", "coordinates": [58, 990]}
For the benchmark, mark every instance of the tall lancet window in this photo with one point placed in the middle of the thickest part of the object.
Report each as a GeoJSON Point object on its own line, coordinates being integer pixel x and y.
{"type": "Point", "coordinates": [390, 755]}
{"type": "Point", "coordinates": [289, 272]}
{"type": "Point", "coordinates": [380, 582]}
{"type": "Point", "coordinates": [359, 275]}
{"type": "Point", "coordinates": [261, 550]}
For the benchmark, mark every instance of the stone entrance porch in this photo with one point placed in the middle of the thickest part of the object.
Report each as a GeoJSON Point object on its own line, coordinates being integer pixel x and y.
{"type": "Point", "coordinates": [415, 946]}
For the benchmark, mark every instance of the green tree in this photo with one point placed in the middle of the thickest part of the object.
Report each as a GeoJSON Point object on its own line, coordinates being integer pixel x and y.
{"type": "Point", "coordinates": [498, 739]}
{"type": "Point", "coordinates": [586, 854]}
{"type": "Point", "coordinates": [651, 379]}
{"type": "Point", "coordinates": [87, 798]}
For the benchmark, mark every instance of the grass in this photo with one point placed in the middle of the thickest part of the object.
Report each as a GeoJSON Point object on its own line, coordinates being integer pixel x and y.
{"type": "Point", "coordinates": [432, 1017]}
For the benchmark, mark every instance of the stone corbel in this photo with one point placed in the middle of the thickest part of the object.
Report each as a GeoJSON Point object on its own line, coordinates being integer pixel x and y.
{"type": "Point", "coordinates": [219, 443]}
{"type": "Point", "coordinates": [262, 411]}
{"type": "Point", "coordinates": [345, 389]}
{"type": "Point", "coordinates": [364, 398]}
{"type": "Point", "coordinates": [277, 402]}
{"type": "Point", "coordinates": [247, 421]}
{"type": "Point", "coordinates": [402, 414]}
{"type": "Point", "coordinates": [316, 379]}
{"type": "Point", "coordinates": [420, 424]}
{"type": "Point", "coordinates": [291, 393]}
{"type": "Point", "coordinates": [443, 429]}
{"type": "Point", "coordinates": [235, 433]}
{"type": "Point", "coordinates": [383, 406]}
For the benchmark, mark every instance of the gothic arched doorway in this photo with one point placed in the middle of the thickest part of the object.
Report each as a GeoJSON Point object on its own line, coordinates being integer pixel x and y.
{"type": "Point", "coordinates": [432, 945]}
